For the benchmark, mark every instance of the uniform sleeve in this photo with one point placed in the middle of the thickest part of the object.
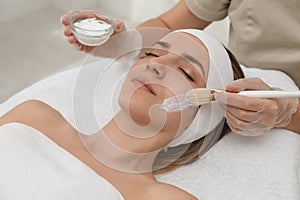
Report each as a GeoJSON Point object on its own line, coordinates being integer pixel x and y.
{"type": "Point", "coordinates": [209, 10]}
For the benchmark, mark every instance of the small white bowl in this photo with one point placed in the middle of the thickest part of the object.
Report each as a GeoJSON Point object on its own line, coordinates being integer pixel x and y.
{"type": "Point", "coordinates": [91, 29]}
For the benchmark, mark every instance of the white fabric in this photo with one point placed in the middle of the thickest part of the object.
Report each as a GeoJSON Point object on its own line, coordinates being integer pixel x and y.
{"type": "Point", "coordinates": [273, 78]}
{"type": "Point", "coordinates": [33, 167]}
{"type": "Point", "coordinates": [220, 74]}
{"type": "Point", "coordinates": [243, 168]}
{"type": "Point", "coordinates": [236, 168]}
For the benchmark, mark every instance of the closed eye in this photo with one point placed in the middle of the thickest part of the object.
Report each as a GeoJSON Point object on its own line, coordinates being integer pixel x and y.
{"type": "Point", "coordinates": [186, 74]}
{"type": "Point", "coordinates": [151, 54]}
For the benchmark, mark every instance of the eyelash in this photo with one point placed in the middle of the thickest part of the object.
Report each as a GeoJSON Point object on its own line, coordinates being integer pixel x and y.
{"type": "Point", "coordinates": [151, 54]}
{"type": "Point", "coordinates": [183, 71]}
{"type": "Point", "coordinates": [186, 74]}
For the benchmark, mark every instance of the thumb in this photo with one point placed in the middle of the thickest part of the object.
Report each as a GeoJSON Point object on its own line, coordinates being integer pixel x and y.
{"type": "Point", "coordinates": [119, 26]}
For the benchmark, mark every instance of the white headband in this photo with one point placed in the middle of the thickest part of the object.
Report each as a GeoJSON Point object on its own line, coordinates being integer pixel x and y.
{"type": "Point", "coordinates": [220, 74]}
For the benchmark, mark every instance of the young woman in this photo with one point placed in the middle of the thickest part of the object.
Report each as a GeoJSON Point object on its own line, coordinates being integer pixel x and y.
{"type": "Point", "coordinates": [138, 140]}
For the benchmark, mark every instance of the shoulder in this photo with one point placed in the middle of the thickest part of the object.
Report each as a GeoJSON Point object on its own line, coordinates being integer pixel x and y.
{"type": "Point", "coordinates": [29, 112]}
{"type": "Point", "coordinates": [168, 192]}
{"type": "Point", "coordinates": [38, 115]}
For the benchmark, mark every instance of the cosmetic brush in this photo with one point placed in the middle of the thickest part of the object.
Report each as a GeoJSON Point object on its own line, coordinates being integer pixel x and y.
{"type": "Point", "coordinates": [200, 96]}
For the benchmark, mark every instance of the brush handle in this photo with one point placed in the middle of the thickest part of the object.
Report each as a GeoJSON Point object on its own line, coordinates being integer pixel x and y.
{"type": "Point", "coordinates": [270, 94]}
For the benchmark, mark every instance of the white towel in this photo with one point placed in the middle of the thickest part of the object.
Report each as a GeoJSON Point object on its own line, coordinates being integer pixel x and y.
{"type": "Point", "coordinates": [35, 168]}
{"type": "Point", "coordinates": [245, 168]}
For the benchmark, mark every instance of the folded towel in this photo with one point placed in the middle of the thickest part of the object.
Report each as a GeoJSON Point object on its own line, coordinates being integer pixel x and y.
{"type": "Point", "coordinates": [35, 168]}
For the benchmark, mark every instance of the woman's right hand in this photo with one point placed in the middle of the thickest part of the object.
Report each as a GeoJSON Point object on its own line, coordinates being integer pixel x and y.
{"type": "Point", "coordinates": [251, 116]}
{"type": "Point", "coordinates": [119, 26]}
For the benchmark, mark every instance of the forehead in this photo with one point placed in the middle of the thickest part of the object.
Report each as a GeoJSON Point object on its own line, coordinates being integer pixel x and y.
{"type": "Point", "coordinates": [187, 44]}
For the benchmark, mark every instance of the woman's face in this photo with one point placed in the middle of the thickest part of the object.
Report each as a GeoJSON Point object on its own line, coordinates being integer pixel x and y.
{"type": "Point", "coordinates": [172, 66]}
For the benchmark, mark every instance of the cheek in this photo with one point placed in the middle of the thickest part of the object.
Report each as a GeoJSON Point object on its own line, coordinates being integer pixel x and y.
{"type": "Point", "coordinates": [176, 123]}
{"type": "Point", "coordinates": [173, 121]}
{"type": "Point", "coordinates": [176, 83]}
{"type": "Point", "coordinates": [137, 102]}
{"type": "Point", "coordinates": [183, 118]}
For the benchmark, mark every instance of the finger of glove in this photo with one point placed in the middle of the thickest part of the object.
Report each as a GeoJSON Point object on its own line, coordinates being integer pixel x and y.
{"type": "Point", "coordinates": [247, 84]}
{"type": "Point", "coordinates": [243, 115]}
{"type": "Point", "coordinates": [245, 125]}
{"type": "Point", "coordinates": [256, 131]}
{"type": "Point", "coordinates": [239, 101]}
{"type": "Point", "coordinates": [233, 129]}
{"type": "Point", "coordinates": [266, 116]}
{"type": "Point", "coordinates": [245, 133]}
{"type": "Point", "coordinates": [249, 133]}
{"type": "Point", "coordinates": [266, 109]}
{"type": "Point", "coordinates": [252, 133]}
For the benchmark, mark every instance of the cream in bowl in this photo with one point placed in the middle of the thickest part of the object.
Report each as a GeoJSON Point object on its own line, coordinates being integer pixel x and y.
{"type": "Point", "coordinates": [90, 30]}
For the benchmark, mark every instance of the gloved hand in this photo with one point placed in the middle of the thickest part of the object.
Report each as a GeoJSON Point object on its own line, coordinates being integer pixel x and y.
{"type": "Point", "coordinates": [113, 47]}
{"type": "Point", "coordinates": [250, 116]}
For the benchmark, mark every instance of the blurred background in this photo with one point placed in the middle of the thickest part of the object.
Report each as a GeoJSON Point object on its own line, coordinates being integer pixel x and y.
{"type": "Point", "coordinates": [33, 46]}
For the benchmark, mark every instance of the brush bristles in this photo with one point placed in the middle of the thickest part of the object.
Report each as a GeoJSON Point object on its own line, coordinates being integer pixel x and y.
{"type": "Point", "coordinates": [200, 96]}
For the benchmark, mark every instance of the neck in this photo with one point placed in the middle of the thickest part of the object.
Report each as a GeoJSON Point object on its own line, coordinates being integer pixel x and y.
{"type": "Point", "coordinates": [120, 146]}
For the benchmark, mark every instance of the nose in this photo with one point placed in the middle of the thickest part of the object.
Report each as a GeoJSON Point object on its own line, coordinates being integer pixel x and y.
{"type": "Point", "coordinates": [157, 69]}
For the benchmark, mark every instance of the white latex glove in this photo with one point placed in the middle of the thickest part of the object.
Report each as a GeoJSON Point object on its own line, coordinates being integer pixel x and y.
{"type": "Point", "coordinates": [121, 41]}
{"type": "Point", "coordinates": [250, 116]}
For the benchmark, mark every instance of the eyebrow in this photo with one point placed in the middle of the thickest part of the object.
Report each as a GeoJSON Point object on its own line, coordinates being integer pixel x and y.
{"type": "Point", "coordinates": [163, 44]}
{"type": "Point", "coordinates": [185, 55]}
{"type": "Point", "coordinates": [194, 60]}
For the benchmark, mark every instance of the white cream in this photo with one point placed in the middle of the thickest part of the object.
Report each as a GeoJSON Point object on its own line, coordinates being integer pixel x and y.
{"type": "Point", "coordinates": [91, 26]}
{"type": "Point", "coordinates": [92, 31]}
{"type": "Point", "coordinates": [176, 103]}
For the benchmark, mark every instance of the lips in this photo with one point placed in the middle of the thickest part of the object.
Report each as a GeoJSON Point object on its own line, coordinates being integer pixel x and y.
{"type": "Point", "coordinates": [144, 84]}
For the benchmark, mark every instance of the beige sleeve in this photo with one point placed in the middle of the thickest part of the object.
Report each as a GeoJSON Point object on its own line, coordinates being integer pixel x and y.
{"type": "Point", "coordinates": [209, 10]}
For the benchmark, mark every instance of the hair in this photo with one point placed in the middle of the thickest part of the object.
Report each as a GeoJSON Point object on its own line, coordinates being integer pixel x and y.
{"type": "Point", "coordinates": [191, 152]}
